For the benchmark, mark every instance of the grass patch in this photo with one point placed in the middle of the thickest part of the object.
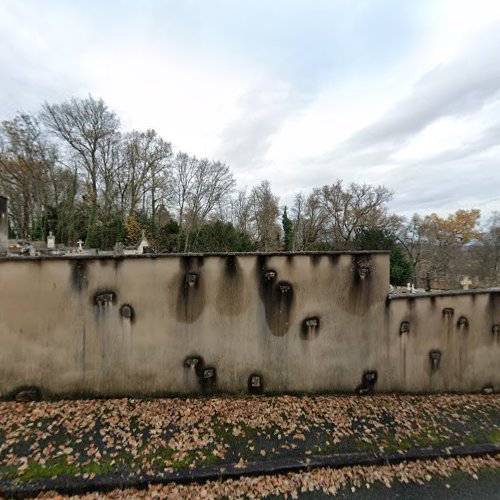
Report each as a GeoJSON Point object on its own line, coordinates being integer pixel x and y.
{"type": "Point", "coordinates": [494, 436]}
{"type": "Point", "coordinates": [57, 467]}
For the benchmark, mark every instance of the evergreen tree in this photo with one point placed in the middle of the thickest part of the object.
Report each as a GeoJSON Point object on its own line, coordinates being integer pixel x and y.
{"type": "Point", "coordinates": [220, 236]}
{"type": "Point", "coordinates": [37, 233]}
{"type": "Point", "coordinates": [374, 238]}
{"type": "Point", "coordinates": [90, 238]}
{"type": "Point", "coordinates": [287, 232]}
{"type": "Point", "coordinates": [120, 230]}
{"type": "Point", "coordinates": [167, 239]}
{"type": "Point", "coordinates": [400, 265]}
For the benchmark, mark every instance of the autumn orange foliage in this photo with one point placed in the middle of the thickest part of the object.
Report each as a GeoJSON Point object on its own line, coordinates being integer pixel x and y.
{"type": "Point", "coordinates": [458, 228]}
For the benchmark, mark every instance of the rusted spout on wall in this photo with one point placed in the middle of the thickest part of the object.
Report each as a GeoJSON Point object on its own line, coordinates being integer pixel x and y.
{"type": "Point", "coordinates": [127, 311]}
{"type": "Point", "coordinates": [404, 327]}
{"type": "Point", "coordinates": [363, 267]}
{"type": "Point", "coordinates": [255, 384]}
{"type": "Point", "coordinates": [448, 312]}
{"type": "Point", "coordinates": [209, 374]}
{"type": "Point", "coordinates": [310, 328]}
{"type": "Point", "coordinates": [363, 272]}
{"type": "Point", "coordinates": [191, 279]}
{"type": "Point", "coordinates": [435, 357]}
{"type": "Point", "coordinates": [104, 298]}
{"type": "Point", "coordinates": [270, 275]}
{"type": "Point", "coordinates": [368, 381]}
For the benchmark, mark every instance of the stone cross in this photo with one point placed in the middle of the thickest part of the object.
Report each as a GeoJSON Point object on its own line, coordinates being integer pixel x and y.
{"type": "Point", "coordinates": [80, 247]}
{"type": "Point", "coordinates": [466, 282]}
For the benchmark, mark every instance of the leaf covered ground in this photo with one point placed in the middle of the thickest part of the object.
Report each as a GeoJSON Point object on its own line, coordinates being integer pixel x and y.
{"type": "Point", "coordinates": [346, 482]}
{"type": "Point", "coordinates": [127, 437]}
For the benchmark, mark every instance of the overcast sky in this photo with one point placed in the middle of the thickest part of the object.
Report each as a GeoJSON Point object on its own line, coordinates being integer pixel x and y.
{"type": "Point", "coordinates": [400, 93]}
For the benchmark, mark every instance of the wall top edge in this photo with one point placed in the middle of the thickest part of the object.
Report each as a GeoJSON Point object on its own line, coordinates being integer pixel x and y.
{"type": "Point", "coordinates": [177, 255]}
{"type": "Point", "coordinates": [446, 293]}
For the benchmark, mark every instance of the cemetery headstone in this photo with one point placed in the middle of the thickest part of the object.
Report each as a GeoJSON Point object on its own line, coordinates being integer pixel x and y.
{"type": "Point", "coordinates": [466, 282]}
{"type": "Point", "coordinates": [51, 241]}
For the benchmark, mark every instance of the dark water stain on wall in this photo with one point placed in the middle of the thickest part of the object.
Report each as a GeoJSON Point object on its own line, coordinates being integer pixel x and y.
{"type": "Point", "coordinates": [413, 317]}
{"type": "Point", "coordinates": [315, 259]}
{"type": "Point", "coordinates": [4, 204]}
{"type": "Point", "coordinates": [261, 265]}
{"type": "Point", "coordinates": [360, 286]}
{"type": "Point", "coordinates": [118, 261]}
{"type": "Point", "coordinates": [232, 295]}
{"type": "Point", "coordinates": [388, 303]}
{"type": "Point", "coordinates": [79, 279]}
{"type": "Point", "coordinates": [278, 299]}
{"type": "Point", "coordinates": [334, 259]}
{"type": "Point", "coordinates": [190, 290]}
{"type": "Point", "coordinates": [494, 306]}
{"type": "Point", "coordinates": [190, 262]}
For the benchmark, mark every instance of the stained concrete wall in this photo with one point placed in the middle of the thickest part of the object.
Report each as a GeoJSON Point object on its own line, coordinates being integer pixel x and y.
{"type": "Point", "coordinates": [462, 328]}
{"type": "Point", "coordinates": [166, 324]}
{"type": "Point", "coordinates": [4, 225]}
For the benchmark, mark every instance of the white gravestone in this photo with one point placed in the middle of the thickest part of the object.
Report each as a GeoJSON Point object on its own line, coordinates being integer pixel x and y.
{"type": "Point", "coordinates": [51, 241]}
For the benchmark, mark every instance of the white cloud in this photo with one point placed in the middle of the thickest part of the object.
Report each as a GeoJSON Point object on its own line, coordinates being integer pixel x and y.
{"type": "Point", "coordinates": [187, 100]}
{"type": "Point", "coordinates": [400, 93]}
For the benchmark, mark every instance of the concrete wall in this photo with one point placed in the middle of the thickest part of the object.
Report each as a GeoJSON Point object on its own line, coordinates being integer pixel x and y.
{"type": "Point", "coordinates": [461, 327]}
{"type": "Point", "coordinates": [4, 225]}
{"type": "Point", "coordinates": [166, 324]}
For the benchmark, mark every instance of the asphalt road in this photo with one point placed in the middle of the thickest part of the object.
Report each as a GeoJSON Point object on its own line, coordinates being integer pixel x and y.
{"type": "Point", "coordinates": [459, 486]}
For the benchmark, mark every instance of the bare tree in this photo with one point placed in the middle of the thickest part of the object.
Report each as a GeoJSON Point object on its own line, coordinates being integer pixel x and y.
{"type": "Point", "coordinates": [311, 222]}
{"type": "Point", "coordinates": [198, 187]}
{"type": "Point", "coordinates": [351, 208]}
{"type": "Point", "coordinates": [88, 127]}
{"type": "Point", "coordinates": [145, 172]}
{"type": "Point", "coordinates": [265, 211]}
{"type": "Point", "coordinates": [183, 177]}
{"type": "Point", "coordinates": [241, 212]}
{"type": "Point", "coordinates": [27, 173]}
{"type": "Point", "coordinates": [298, 220]}
{"type": "Point", "coordinates": [411, 235]}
